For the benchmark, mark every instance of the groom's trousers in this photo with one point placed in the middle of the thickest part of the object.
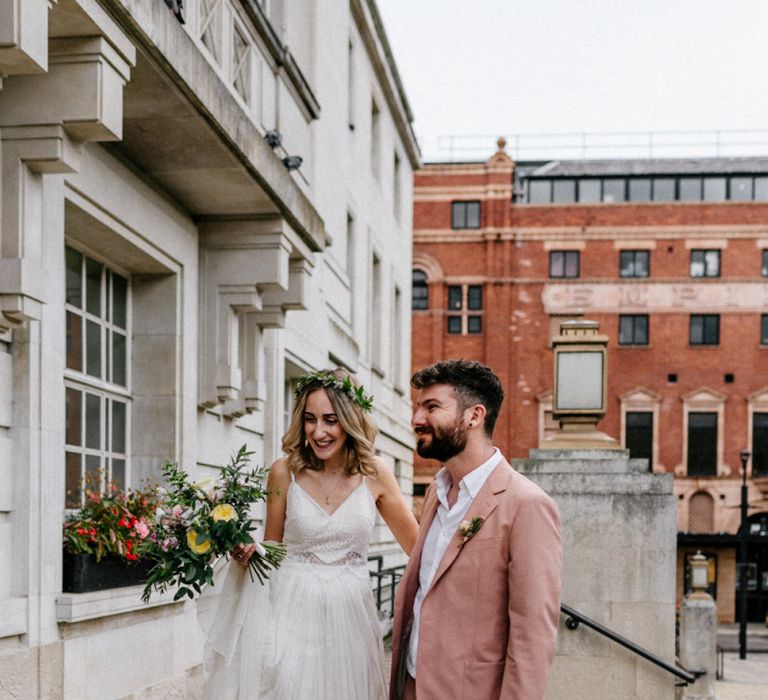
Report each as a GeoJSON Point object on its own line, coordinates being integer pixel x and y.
{"type": "Point", "coordinates": [409, 692]}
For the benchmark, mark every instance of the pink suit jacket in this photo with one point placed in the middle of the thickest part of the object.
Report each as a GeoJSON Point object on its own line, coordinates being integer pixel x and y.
{"type": "Point", "coordinates": [489, 620]}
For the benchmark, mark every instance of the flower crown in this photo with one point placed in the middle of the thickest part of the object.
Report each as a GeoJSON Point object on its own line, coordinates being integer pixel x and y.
{"type": "Point", "coordinates": [332, 381]}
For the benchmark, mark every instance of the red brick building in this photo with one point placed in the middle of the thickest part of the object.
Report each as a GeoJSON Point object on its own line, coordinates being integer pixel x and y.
{"type": "Point", "coordinates": [671, 258]}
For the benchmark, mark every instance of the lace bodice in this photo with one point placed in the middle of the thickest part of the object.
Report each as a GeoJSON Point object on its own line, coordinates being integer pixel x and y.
{"type": "Point", "coordinates": [312, 535]}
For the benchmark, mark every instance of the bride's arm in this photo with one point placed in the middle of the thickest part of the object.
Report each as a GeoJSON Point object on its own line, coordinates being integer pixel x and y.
{"type": "Point", "coordinates": [277, 483]}
{"type": "Point", "coordinates": [393, 508]}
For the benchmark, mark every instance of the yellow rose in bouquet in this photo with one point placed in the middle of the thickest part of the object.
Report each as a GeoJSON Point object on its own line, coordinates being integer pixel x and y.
{"type": "Point", "coordinates": [224, 512]}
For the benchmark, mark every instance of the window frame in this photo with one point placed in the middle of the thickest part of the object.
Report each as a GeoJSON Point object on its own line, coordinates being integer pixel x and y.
{"type": "Point", "coordinates": [466, 313]}
{"type": "Point", "coordinates": [635, 253]}
{"type": "Point", "coordinates": [421, 284]}
{"type": "Point", "coordinates": [462, 206]}
{"type": "Point", "coordinates": [704, 341]}
{"type": "Point", "coordinates": [634, 318]}
{"type": "Point", "coordinates": [703, 253]}
{"type": "Point", "coordinates": [566, 254]}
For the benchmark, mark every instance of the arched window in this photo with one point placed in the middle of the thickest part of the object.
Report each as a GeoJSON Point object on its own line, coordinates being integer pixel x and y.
{"type": "Point", "coordinates": [701, 512]}
{"type": "Point", "coordinates": [420, 291]}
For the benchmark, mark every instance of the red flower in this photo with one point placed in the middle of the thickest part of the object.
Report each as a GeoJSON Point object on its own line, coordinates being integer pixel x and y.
{"type": "Point", "coordinates": [131, 557]}
{"type": "Point", "coordinates": [122, 523]}
{"type": "Point", "coordinates": [93, 531]}
{"type": "Point", "coordinates": [114, 512]}
{"type": "Point", "coordinates": [82, 531]}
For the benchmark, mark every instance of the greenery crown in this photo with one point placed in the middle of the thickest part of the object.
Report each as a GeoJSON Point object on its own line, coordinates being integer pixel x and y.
{"type": "Point", "coordinates": [330, 380]}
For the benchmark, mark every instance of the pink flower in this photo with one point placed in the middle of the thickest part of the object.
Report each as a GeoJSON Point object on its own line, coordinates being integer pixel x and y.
{"type": "Point", "coordinates": [176, 511]}
{"type": "Point", "coordinates": [142, 529]}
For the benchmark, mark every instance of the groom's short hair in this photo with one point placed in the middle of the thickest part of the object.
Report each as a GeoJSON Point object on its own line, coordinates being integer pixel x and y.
{"type": "Point", "coordinates": [472, 381]}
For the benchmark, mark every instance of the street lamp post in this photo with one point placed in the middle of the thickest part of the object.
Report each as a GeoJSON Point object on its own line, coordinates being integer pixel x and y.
{"type": "Point", "coordinates": [744, 455]}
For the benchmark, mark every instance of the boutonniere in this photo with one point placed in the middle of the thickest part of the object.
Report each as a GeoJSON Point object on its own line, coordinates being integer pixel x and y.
{"type": "Point", "coordinates": [469, 528]}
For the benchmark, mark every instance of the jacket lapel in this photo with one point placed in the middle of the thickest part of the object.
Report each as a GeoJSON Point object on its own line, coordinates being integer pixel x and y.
{"type": "Point", "coordinates": [482, 506]}
{"type": "Point", "coordinates": [410, 581]}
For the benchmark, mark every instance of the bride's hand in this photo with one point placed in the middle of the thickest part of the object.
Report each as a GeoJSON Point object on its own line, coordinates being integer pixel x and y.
{"type": "Point", "coordinates": [242, 553]}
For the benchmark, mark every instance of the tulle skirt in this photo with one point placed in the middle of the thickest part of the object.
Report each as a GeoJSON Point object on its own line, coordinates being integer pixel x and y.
{"type": "Point", "coordinates": [311, 633]}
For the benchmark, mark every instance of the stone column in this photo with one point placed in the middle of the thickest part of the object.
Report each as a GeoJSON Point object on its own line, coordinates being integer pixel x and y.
{"type": "Point", "coordinates": [698, 644]}
{"type": "Point", "coordinates": [619, 544]}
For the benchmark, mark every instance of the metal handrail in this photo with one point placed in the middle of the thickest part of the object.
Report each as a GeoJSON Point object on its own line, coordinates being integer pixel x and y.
{"type": "Point", "coordinates": [575, 617]}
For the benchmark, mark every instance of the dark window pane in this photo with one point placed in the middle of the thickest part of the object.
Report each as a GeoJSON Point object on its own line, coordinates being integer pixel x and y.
{"type": "Point", "coordinates": [93, 348]}
{"type": "Point", "coordinates": [474, 324]}
{"type": "Point", "coordinates": [626, 330]}
{"type": "Point", "coordinates": [556, 264]}
{"type": "Point", "coordinates": [761, 189]}
{"type": "Point", "coordinates": [641, 330]}
{"type": "Point", "coordinates": [764, 329]}
{"type": "Point", "coordinates": [663, 189]}
{"type": "Point", "coordinates": [690, 189]}
{"type": "Point", "coordinates": [714, 189]}
{"type": "Point", "coordinates": [741, 189]}
{"type": "Point", "coordinates": [474, 297]}
{"type": "Point", "coordinates": [93, 286]}
{"type": "Point", "coordinates": [572, 263]}
{"type": "Point", "coordinates": [642, 263]}
{"type": "Point", "coordinates": [473, 214]}
{"type": "Point", "coordinates": [74, 277]}
{"type": "Point", "coordinates": [73, 480]}
{"type": "Point", "coordinates": [454, 297]}
{"type": "Point", "coordinates": [454, 324]}
{"type": "Point", "coordinates": [117, 475]}
{"type": "Point", "coordinates": [74, 417]}
{"type": "Point", "coordinates": [765, 263]}
{"type": "Point", "coordinates": [760, 443]}
{"type": "Point", "coordinates": [697, 263]}
{"type": "Point", "coordinates": [640, 189]}
{"type": "Point", "coordinates": [458, 215]}
{"type": "Point", "coordinates": [119, 300]}
{"type": "Point", "coordinates": [634, 263]}
{"type": "Point", "coordinates": [419, 489]}
{"type": "Point", "coordinates": [119, 363]}
{"type": "Point", "coordinates": [705, 263]}
{"type": "Point", "coordinates": [564, 191]}
{"type": "Point", "coordinates": [702, 444]}
{"type": "Point", "coordinates": [697, 330]}
{"type": "Point", "coordinates": [93, 421]}
{"type": "Point", "coordinates": [539, 191]}
{"type": "Point", "coordinates": [118, 427]}
{"type": "Point", "coordinates": [705, 329]}
{"type": "Point", "coordinates": [589, 191]}
{"type": "Point", "coordinates": [639, 434]}
{"type": "Point", "coordinates": [94, 471]}
{"type": "Point", "coordinates": [613, 190]}
{"type": "Point", "coordinates": [74, 341]}
{"type": "Point", "coordinates": [633, 330]}
{"type": "Point", "coordinates": [419, 291]}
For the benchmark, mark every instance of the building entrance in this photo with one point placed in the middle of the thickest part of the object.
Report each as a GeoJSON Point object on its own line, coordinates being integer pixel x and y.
{"type": "Point", "coordinates": [757, 569]}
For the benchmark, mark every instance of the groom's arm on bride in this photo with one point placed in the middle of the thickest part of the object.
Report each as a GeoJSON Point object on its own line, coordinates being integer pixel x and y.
{"type": "Point", "coordinates": [392, 506]}
{"type": "Point", "coordinates": [277, 484]}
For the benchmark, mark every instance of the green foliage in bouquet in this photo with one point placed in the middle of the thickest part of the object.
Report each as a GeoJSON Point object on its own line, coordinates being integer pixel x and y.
{"type": "Point", "coordinates": [201, 521]}
{"type": "Point", "coordinates": [115, 522]}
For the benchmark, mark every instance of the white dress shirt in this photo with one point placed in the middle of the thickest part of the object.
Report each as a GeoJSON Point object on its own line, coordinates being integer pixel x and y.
{"type": "Point", "coordinates": [441, 532]}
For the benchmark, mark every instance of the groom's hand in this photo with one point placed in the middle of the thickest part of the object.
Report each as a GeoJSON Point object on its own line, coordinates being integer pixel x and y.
{"type": "Point", "coordinates": [242, 553]}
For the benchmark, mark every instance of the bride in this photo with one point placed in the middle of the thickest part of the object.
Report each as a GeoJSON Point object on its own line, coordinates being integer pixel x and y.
{"type": "Point", "coordinates": [312, 633]}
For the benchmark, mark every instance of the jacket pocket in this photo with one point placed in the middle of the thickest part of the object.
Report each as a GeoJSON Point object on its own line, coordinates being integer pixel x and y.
{"type": "Point", "coordinates": [482, 680]}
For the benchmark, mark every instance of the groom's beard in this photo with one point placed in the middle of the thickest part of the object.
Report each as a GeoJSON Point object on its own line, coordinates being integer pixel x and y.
{"type": "Point", "coordinates": [444, 444]}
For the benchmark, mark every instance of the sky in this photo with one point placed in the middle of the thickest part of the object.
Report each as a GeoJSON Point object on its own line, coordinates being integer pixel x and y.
{"type": "Point", "coordinates": [485, 68]}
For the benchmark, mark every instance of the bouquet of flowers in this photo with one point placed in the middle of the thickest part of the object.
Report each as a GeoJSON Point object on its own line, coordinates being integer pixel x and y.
{"type": "Point", "coordinates": [198, 522]}
{"type": "Point", "coordinates": [115, 523]}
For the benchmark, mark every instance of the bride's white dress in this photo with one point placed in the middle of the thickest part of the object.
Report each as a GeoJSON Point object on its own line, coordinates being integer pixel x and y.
{"type": "Point", "coordinates": [312, 632]}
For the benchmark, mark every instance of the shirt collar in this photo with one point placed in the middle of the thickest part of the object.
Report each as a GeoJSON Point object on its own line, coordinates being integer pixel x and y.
{"type": "Point", "coordinates": [473, 481]}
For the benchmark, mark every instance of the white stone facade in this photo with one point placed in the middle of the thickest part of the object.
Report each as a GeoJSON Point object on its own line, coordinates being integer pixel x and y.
{"type": "Point", "coordinates": [200, 276]}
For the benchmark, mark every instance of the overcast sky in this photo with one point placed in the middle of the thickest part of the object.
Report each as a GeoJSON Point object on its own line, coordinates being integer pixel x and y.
{"type": "Point", "coordinates": [493, 67]}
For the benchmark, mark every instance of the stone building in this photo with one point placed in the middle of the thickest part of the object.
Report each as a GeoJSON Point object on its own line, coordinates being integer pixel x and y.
{"type": "Point", "coordinates": [196, 209]}
{"type": "Point", "coordinates": [671, 258]}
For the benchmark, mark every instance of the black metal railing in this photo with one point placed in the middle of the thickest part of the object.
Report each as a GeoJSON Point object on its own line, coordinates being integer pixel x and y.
{"type": "Point", "coordinates": [574, 618]}
{"type": "Point", "coordinates": [386, 581]}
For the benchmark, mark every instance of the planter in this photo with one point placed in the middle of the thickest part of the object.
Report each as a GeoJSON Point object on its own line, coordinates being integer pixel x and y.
{"type": "Point", "coordinates": [83, 574]}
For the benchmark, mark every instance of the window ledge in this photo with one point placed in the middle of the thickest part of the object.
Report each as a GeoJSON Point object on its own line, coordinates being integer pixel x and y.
{"type": "Point", "coordinates": [79, 607]}
{"type": "Point", "coordinates": [634, 346]}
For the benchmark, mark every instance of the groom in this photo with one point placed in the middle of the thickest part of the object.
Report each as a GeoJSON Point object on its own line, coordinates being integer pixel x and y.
{"type": "Point", "coordinates": [477, 608]}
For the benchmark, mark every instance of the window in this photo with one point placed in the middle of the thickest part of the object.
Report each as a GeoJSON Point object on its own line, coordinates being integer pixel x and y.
{"type": "Point", "coordinates": [564, 263]}
{"type": "Point", "coordinates": [702, 444]}
{"type": "Point", "coordinates": [564, 191]}
{"type": "Point", "coordinates": [690, 189]}
{"type": "Point", "coordinates": [764, 329]}
{"type": "Point", "coordinates": [663, 189]}
{"type": "Point", "coordinates": [714, 189]}
{"type": "Point", "coordinates": [465, 215]}
{"type": "Point", "coordinates": [633, 330]}
{"type": "Point", "coordinates": [634, 263]}
{"type": "Point", "coordinates": [705, 329]}
{"type": "Point", "coordinates": [614, 190]}
{"type": "Point", "coordinates": [640, 189]}
{"type": "Point", "coordinates": [589, 191]}
{"type": "Point", "coordinates": [97, 359]}
{"type": "Point", "coordinates": [639, 436]}
{"type": "Point", "coordinates": [705, 263]}
{"type": "Point", "coordinates": [701, 512]}
{"type": "Point", "coordinates": [741, 189]}
{"type": "Point", "coordinates": [419, 490]}
{"type": "Point", "coordinates": [419, 291]}
{"type": "Point", "coordinates": [539, 191]}
{"type": "Point", "coordinates": [760, 444]}
{"type": "Point", "coordinates": [396, 193]}
{"type": "Point", "coordinates": [467, 299]}
{"type": "Point", "coordinates": [765, 264]}
{"type": "Point", "coordinates": [375, 138]}
{"type": "Point", "coordinates": [761, 189]}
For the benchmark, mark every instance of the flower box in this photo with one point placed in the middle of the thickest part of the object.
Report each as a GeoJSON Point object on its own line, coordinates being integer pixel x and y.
{"type": "Point", "coordinates": [83, 574]}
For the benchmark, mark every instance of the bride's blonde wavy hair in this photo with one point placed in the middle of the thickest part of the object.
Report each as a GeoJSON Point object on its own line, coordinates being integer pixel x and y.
{"type": "Point", "coordinates": [357, 424]}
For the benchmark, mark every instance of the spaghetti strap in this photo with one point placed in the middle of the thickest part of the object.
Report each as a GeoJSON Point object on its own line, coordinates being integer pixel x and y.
{"type": "Point", "coordinates": [293, 476]}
